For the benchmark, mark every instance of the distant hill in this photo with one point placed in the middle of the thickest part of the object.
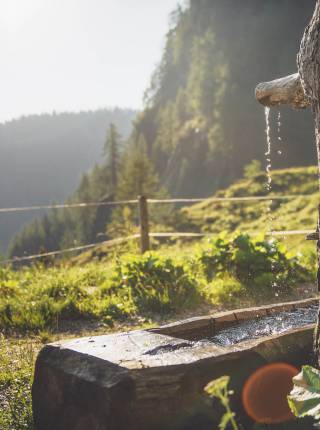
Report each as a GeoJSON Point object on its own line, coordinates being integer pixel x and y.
{"type": "Point", "coordinates": [43, 157]}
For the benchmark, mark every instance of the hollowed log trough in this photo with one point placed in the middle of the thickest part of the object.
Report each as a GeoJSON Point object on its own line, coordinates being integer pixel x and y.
{"type": "Point", "coordinates": [154, 379]}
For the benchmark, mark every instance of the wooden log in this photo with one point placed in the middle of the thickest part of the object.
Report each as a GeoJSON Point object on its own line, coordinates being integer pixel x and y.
{"type": "Point", "coordinates": [287, 90]}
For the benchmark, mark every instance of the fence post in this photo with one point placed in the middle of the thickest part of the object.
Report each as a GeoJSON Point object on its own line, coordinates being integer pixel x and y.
{"type": "Point", "coordinates": [144, 224]}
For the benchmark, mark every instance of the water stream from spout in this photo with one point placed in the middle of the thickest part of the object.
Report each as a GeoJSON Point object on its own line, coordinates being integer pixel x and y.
{"type": "Point", "coordinates": [270, 218]}
{"type": "Point", "coordinates": [268, 153]}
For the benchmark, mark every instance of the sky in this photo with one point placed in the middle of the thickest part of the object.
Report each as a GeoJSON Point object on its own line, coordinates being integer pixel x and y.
{"type": "Point", "coordinates": [71, 55]}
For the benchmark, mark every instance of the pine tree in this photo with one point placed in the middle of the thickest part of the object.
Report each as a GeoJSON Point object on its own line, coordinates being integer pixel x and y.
{"type": "Point", "coordinates": [137, 176]}
{"type": "Point", "coordinates": [112, 153]}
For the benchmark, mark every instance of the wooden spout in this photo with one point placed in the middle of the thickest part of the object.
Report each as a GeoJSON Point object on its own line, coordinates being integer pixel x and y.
{"type": "Point", "coordinates": [287, 90]}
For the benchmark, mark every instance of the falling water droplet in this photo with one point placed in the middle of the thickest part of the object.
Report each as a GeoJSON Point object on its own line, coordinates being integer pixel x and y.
{"type": "Point", "coordinates": [279, 126]}
{"type": "Point", "coordinates": [279, 138]}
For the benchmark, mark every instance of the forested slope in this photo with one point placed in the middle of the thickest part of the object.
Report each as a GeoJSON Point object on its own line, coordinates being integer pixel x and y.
{"type": "Point", "coordinates": [202, 123]}
{"type": "Point", "coordinates": [43, 157]}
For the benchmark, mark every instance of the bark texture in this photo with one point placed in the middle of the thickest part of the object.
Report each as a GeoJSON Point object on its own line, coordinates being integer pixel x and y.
{"type": "Point", "coordinates": [309, 70]}
{"type": "Point", "coordinates": [287, 90]}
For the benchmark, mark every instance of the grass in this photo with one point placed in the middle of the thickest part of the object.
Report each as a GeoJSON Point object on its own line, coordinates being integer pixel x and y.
{"type": "Point", "coordinates": [294, 214]}
{"type": "Point", "coordinates": [229, 270]}
{"type": "Point", "coordinates": [16, 372]}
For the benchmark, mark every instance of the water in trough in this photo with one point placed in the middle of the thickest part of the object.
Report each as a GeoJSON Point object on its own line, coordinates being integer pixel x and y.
{"type": "Point", "coordinates": [260, 327]}
{"type": "Point", "coordinates": [266, 326]}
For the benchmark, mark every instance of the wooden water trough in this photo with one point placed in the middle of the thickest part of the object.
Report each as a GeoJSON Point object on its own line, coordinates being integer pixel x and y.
{"type": "Point", "coordinates": [154, 379]}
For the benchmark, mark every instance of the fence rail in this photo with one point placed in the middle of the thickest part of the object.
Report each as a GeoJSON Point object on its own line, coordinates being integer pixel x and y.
{"type": "Point", "coordinates": [69, 250]}
{"type": "Point", "coordinates": [152, 201]}
{"type": "Point", "coordinates": [144, 233]}
{"type": "Point", "coordinates": [120, 240]}
{"type": "Point", "coordinates": [229, 199]}
{"type": "Point", "coordinates": [70, 206]}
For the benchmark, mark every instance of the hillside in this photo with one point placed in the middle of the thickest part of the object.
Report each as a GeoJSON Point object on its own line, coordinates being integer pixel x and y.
{"type": "Point", "coordinates": [299, 213]}
{"type": "Point", "coordinates": [253, 217]}
{"type": "Point", "coordinates": [44, 156]}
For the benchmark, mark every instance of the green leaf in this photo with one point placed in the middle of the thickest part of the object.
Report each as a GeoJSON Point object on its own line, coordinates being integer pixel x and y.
{"type": "Point", "coordinates": [304, 399]}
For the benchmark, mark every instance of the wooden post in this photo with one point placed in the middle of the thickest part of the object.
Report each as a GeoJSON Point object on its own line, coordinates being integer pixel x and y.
{"type": "Point", "coordinates": [144, 224]}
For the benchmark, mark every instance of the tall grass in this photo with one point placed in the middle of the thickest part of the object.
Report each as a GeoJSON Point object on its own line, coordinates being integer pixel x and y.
{"type": "Point", "coordinates": [16, 373]}
{"type": "Point", "coordinates": [220, 271]}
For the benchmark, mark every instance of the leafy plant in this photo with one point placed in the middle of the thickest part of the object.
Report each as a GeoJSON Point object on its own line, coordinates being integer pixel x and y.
{"type": "Point", "coordinates": [219, 389]}
{"type": "Point", "coordinates": [255, 262]}
{"type": "Point", "coordinates": [127, 285]}
{"type": "Point", "coordinates": [155, 283]}
{"type": "Point", "coordinates": [224, 290]}
{"type": "Point", "coordinates": [304, 399]}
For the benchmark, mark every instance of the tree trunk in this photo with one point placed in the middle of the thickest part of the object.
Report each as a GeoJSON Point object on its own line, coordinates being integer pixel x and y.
{"type": "Point", "coordinates": [309, 71]}
{"type": "Point", "coordinates": [309, 68]}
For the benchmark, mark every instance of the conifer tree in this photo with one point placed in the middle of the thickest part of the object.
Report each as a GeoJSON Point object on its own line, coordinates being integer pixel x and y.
{"type": "Point", "coordinates": [112, 153]}
{"type": "Point", "coordinates": [137, 176]}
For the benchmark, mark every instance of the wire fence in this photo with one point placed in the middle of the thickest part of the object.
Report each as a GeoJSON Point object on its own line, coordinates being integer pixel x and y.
{"type": "Point", "coordinates": [151, 201]}
{"type": "Point", "coordinates": [111, 242]}
{"type": "Point", "coordinates": [144, 235]}
{"type": "Point", "coordinates": [121, 240]}
{"type": "Point", "coordinates": [66, 206]}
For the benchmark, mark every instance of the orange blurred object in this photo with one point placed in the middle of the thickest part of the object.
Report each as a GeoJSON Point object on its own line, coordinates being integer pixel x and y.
{"type": "Point", "coordinates": [265, 393]}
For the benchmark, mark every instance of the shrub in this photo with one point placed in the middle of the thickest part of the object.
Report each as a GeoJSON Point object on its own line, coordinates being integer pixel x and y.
{"type": "Point", "coordinates": [224, 290]}
{"type": "Point", "coordinates": [254, 262]}
{"type": "Point", "coordinates": [155, 283]}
